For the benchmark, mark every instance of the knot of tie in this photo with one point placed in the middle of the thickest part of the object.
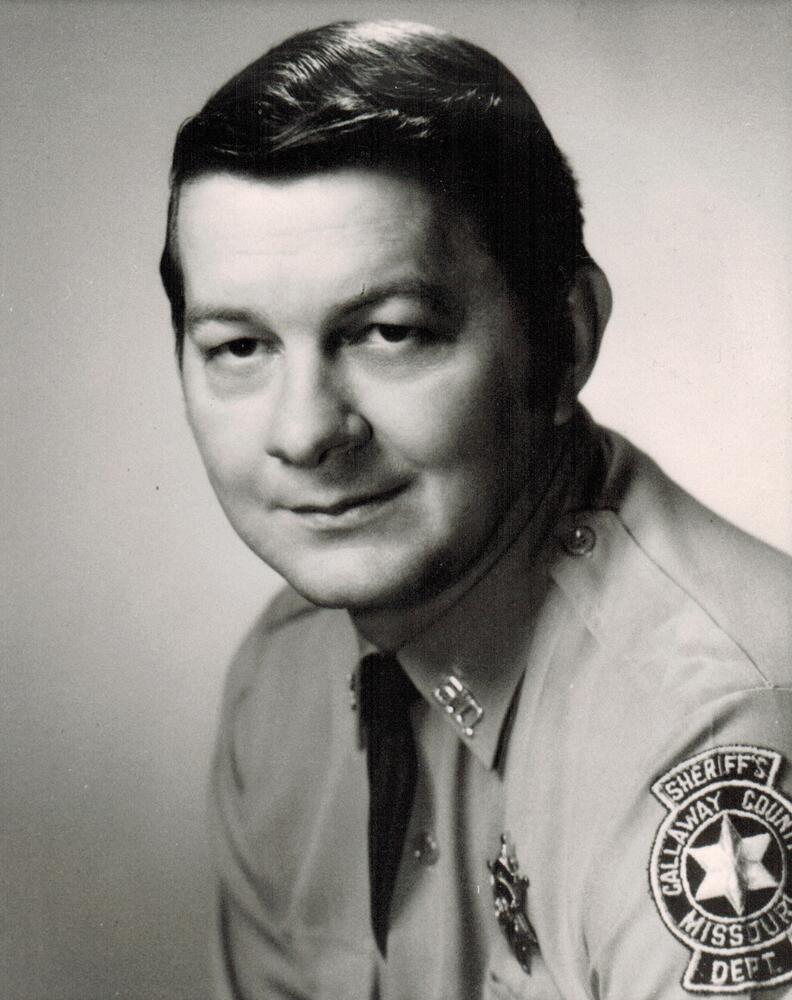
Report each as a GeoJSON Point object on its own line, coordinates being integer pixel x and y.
{"type": "Point", "coordinates": [386, 694]}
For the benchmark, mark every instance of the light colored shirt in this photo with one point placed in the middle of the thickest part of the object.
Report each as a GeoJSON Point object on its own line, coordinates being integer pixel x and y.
{"type": "Point", "coordinates": [603, 648]}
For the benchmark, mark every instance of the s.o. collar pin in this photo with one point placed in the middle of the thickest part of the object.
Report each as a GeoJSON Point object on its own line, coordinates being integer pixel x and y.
{"type": "Point", "coordinates": [509, 890]}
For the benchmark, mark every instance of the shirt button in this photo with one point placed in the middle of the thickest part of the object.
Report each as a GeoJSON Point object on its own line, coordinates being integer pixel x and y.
{"type": "Point", "coordinates": [425, 849]}
{"type": "Point", "coordinates": [580, 540]}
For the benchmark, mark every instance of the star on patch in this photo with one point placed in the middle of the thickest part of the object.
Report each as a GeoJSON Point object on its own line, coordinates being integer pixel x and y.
{"type": "Point", "coordinates": [733, 866]}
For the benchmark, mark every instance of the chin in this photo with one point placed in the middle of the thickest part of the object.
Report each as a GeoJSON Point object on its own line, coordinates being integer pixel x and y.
{"type": "Point", "coordinates": [356, 595]}
{"type": "Point", "coordinates": [360, 588]}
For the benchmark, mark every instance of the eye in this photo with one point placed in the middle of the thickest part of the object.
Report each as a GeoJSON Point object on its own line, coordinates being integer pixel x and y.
{"type": "Point", "coordinates": [381, 335]}
{"type": "Point", "coordinates": [394, 334]}
{"type": "Point", "coordinates": [397, 343]}
{"type": "Point", "coordinates": [237, 349]}
{"type": "Point", "coordinates": [242, 347]}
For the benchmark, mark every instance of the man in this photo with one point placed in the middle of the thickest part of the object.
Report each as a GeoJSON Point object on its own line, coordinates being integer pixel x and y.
{"type": "Point", "coordinates": [520, 725]}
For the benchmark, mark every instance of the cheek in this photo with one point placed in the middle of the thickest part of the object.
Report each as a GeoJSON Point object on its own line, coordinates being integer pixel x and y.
{"type": "Point", "coordinates": [227, 439]}
{"type": "Point", "coordinates": [448, 420]}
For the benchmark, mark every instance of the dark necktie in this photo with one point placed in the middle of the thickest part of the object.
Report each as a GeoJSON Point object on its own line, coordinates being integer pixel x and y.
{"type": "Point", "coordinates": [386, 694]}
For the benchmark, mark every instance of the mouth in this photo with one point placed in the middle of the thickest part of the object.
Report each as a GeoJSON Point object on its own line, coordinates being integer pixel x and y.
{"type": "Point", "coordinates": [347, 511]}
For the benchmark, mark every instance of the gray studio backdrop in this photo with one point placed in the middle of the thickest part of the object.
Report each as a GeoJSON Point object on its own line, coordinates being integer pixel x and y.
{"type": "Point", "coordinates": [125, 591]}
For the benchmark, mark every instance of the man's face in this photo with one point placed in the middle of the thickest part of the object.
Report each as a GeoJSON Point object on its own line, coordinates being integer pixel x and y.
{"type": "Point", "coordinates": [354, 373]}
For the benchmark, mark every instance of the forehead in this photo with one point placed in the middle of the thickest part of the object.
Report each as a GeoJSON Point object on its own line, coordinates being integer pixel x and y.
{"type": "Point", "coordinates": [341, 229]}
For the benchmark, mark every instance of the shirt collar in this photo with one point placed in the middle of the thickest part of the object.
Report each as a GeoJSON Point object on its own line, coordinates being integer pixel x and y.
{"type": "Point", "coordinates": [468, 663]}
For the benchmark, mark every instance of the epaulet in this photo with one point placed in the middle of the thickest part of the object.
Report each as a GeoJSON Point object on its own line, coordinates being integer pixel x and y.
{"type": "Point", "coordinates": [741, 585]}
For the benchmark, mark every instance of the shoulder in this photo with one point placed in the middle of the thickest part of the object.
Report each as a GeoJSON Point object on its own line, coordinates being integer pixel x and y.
{"type": "Point", "coordinates": [743, 583]}
{"type": "Point", "coordinates": [663, 665]}
{"type": "Point", "coordinates": [664, 573]}
{"type": "Point", "coordinates": [287, 689]}
{"type": "Point", "coordinates": [291, 640]}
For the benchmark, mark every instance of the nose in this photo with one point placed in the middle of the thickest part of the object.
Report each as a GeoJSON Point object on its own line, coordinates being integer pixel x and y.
{"type": "Point", "coordinates": [312, 417]}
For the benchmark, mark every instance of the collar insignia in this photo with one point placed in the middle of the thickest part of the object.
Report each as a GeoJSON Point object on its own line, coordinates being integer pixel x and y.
{"type": "Point", "coordinates": [509, 891]}
{"type": "Point", "coordinates": [460, 703]}
{"type": "Point", "coordinates": [721, 869]}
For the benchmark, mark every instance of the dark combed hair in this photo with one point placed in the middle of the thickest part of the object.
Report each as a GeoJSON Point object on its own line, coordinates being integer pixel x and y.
{"type": "Point", "coordinates": [399, 96]}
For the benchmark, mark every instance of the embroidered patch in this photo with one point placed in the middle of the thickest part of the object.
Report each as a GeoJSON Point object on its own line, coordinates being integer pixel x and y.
{"type": "Point", "coordinates": [721, 868]}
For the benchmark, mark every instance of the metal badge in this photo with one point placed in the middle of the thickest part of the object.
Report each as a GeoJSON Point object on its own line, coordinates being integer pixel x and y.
{"type": "Point", "coordinates": [509, 890]}
{"type": "Point", "coordinates": [460, 703]}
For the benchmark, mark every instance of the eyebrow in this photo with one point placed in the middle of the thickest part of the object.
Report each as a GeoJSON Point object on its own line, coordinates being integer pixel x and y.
{"type": "Point", "coordinates": [437, 296]}
{"type": "Point", "coordinates": [219, 314]}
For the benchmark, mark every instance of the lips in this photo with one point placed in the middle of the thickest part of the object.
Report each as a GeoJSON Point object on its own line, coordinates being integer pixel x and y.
{"type": "Point", "coordinates": [336, 508]}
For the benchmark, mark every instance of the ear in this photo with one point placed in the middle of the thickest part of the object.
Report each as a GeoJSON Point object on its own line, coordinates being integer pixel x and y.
{"type": "Point", "coordinates": [589, 304]}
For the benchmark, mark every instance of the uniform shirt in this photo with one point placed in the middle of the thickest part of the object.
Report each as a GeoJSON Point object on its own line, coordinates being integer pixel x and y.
{"type": "Point", "coordinates": [609, 699]}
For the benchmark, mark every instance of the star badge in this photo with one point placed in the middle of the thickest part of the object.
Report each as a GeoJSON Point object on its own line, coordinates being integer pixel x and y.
{"type": "Point", "coordinates": [509, 890]}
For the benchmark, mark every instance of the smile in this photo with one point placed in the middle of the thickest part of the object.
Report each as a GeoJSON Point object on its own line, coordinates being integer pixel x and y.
{"type": "Point", "coordinates": [348, 512]}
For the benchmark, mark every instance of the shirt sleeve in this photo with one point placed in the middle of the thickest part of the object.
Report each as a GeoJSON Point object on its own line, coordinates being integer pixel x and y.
{"type": "Point", "coordinates": [251, 955]}
{"type": "Point", "coordinates": [284, 807]}
{"type": "Point", "coordinates": [689, 890]}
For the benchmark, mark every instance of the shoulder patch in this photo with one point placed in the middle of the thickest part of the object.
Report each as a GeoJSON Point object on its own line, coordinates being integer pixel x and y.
{"type": "Point", "coordinates": [721, 868]}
